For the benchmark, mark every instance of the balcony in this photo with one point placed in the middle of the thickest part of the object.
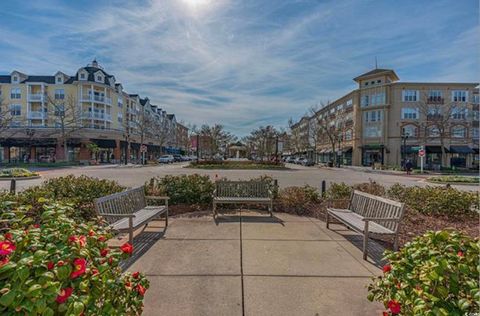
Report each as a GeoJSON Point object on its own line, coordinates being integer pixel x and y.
{"type": "Point", "coordinates": [37, 115]}
{"type": "Point", "coordinates": [36, 97]}
{"type": "Point", "coordinates": [97, 116]}
{"type": "Point", "coordinates": [96, 98]}
{"type": "Point", "coordinates": [435, 100]}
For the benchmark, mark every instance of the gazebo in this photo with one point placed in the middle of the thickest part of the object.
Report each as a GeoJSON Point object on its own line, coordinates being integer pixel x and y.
{"type": "Point", "coordinates": [237, 150]}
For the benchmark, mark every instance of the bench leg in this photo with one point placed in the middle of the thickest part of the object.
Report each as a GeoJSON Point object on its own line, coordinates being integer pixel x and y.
{"type": "Point", "coordinates": [130, 232]}
{"type": "Point", "coordinates": [166, 218]}
{"type": "Point", "coordinates": [328, 220]}
{"type": "Point", "coordinates": [395, 243]}
{"type": "Point", "coordinates": [365, 241]}
{"type": "Point", "coordinates": [270, 208]}
{"type": "Point", "coordinates": [214, 209]}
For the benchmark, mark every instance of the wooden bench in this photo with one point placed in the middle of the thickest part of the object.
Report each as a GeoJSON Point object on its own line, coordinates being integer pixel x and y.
{"type": "Point", "coordinates": [242, 192]}
{"type": "Point", "coordinates": [370, 215]}
{"type": "Point", "coordinates": [128, 210]}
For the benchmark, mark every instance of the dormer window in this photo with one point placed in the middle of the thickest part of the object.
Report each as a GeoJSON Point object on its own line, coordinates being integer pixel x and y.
{"type": "Point", "coordinates": [59, 79]}
{"type": "Point", "coordinates": [15, 79]}
{"type": "Point", "coordinates": [83, 76]}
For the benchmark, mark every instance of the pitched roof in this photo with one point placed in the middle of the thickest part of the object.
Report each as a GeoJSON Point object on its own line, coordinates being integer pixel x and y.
{"type": "Point", "coordinates": [46, 79]}
{"type": "Point", "coordinates": [375, 71]}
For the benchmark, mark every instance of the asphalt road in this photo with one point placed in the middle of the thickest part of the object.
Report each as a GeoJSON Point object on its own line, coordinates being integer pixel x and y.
{"type": "Point", "coordinates": [297, 176]}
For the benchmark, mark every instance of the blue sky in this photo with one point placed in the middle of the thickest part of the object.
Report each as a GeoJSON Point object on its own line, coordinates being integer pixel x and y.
{"type": "Point", "coordinates": [242, 63]}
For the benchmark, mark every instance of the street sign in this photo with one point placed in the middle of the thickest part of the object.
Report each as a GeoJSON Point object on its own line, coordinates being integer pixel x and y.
{"type": "Point", "coordinates": [143, 148]}
{"type": "Point", "coordinates": [421, 153]}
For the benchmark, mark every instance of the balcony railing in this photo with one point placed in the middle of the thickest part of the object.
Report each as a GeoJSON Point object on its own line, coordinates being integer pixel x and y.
{"type": "Point", "coordinates": [97, 116]}
{"type": "Point", "coordinates": [37, 115]}
{"type": "Point", "coordinates": [435, 100]}
{"type": "Point", "coordinates": [35, 97]}
{"type": "Point", "coordinates": [96, 98]}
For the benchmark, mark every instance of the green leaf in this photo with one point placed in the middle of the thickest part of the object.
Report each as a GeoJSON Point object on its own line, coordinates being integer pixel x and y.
{"type": "Point", "coordinates": [7, 298]}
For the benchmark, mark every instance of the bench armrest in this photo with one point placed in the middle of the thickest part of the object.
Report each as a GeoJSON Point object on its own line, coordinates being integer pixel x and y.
{"type": "Point", "coordinates": [151, 197]}
{"type": "Point", "coordinates": [383, 219]}
{"type": "Point", "coordinates": [116, 215]}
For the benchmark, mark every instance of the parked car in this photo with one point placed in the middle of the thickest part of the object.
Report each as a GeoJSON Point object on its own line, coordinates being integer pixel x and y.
{"type": "Point", "coordinates": [308, 162]}
{"type": "Point", "coordinates": [298, 160]}
{"type": "Point", "coordinates": [166, 159]}
{"type": "Point", "coordinates": [290, 159]}
{"type": "Point", "coordinates": [185, 158]}
{"type": "Point", "coordinates": [177, 158]}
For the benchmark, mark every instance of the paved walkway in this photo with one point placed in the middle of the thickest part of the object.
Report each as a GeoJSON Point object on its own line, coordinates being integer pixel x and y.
{"type": "Point", "coordinates": [250, 264]}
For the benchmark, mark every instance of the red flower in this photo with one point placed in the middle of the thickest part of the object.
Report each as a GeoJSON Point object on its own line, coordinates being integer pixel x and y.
{"type": "Point", "coordinates": [460, 254]}
{"type": "Point", "coordinates": [79, 267]}
{"type": "Point", "coordinates": [394, 306]}
{"type": "Point", "coordinates": [127, 248]}
{"type": "Point", "coordinates": [50, 265]}
{"type": "Point", "coordinates": [91, 233]}
{"type": "Point", "coordinates": [135, 275]}
{"type": "Point", "coordinates": [4, 261]}
{"type": "Point", "coordinates": [141, 290]}
{"type": "Point", "coordinates": [6, 248]}
{"type": "Point", "coordinates": [387, 268]}
{"type": "Point", "coordinates": [8, 236]}
{"type": "Point", "coordinates": [128, 285]}
{"type": "Point", "coordinates": [110, 260]}
{"type": "Point", "coordinates": [95, 271]}
{"type": "Point", "coordinates": [385, 314]}
{"type": "Point", "coordinates": [36, 225]}
{"type": "Point", "coordinates": [60, 263]}
{"type": "Point", "coordinates": [82, 240]}
{"type": "Point", "coordinates": [64, 295]}
{"type": "Point", "coordinates": [72, 238]}
{"type": "Point", "coordinates": [104, 252]}
{"type": "Point", "coordinates": [102, 238]}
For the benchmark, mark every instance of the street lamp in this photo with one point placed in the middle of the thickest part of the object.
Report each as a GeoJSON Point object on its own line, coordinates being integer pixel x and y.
{"type": "Point", "coordinates": [404, 149]}
{"type": "Point", "coordinates": [30, 132]}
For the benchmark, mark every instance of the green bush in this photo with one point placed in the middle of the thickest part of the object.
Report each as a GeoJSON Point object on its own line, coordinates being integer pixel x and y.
{"type": "Point", "coordinates": [61, 267]}
{"type": "Point", "coordinates": [17, 173]}
{"type": "Point", "coordinates": [297, 200]}
{"type": "Point", "coordinates": [78, 191]}
{"type": "Point", "coordinates": [436, 200]}
{"type": "Point", "coordinates": [338, 191]}
{"type": "Point", "coordinates": [222, 164]}
{"type": "Point", "coordinates": [435, 274]}
{"type": "Point", "coordinates": [183, 189]}
{"type": "Point", "coordinates": [455, 179]}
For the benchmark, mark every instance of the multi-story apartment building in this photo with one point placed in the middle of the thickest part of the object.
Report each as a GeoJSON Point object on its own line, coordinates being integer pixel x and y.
{"type": "Point", "coordinates": [386, 121]}
{"type": "Point", "coordinates": [43, 114]}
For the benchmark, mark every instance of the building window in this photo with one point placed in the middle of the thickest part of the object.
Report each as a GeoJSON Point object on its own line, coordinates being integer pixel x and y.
{"type": "Point", "coordinates": [15, 93]}
{"type": "Point", "coordinates": [373, 116]}
{"type": "Point", "coordinates": [410, 113]}
{"type": "Point", "coordinates": [410, 130]}
{"type": "Point", "coordinates": [433, 131]}
{"type": "Point", "coordinates": [379, 81]}
{"type": "Point", "coordinates": [459, 96]}
{"type": "Point", "coordinates": [435, 96]}
{"type": "Point", "coordinates": [60, 110]}
{"type": "Point", "coordinates": [99, 78]}
{"type": "Point", "coordinates": [59, 94]}
{"type": "Point", "coordinates": [476, 99]}
{"type": "Point", "coordinates": [373, 131]}
{"type": "Point", "coordinates": [59, 80]}
{"type": "Point", "coordinates": [120, 117]}
{"type": "Point", "coordinates": [15, 79]}
{"type": "Point", "coordinates": [410, 95]}
{"type": "Point", "coordinates": [475, 132]}
{"type": "Point", "coordinates": [364, 101]}
{"type": "Point", "coordinates": [475, 115]}
{"type": "Point", "coordinates": [348, 135]}
{"type": "Point", "coordinates": [82, 76]}
{"type": "Point", "coordinates": [15, 109]}
{"type": "Point", "coordinates": [459, 131]}
{"type": "Point", "coordinates": [459, 113]}
{"type": "Point", "coordinates": [349, 103]}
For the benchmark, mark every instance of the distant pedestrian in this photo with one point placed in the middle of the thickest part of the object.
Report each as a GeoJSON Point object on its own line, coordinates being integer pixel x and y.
{"type": "Point", "coordinates": [408, 167]}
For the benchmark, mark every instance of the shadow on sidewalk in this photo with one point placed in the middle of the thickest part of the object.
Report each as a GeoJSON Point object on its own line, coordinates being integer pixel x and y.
{"type": "Point", "coordinates": [142, 243]}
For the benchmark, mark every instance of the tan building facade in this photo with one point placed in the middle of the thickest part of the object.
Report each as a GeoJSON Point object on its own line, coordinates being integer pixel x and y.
{"type": "Point", "coordinates": [387, 121]}
{"type": "Point", "coordinates": [42, 114]}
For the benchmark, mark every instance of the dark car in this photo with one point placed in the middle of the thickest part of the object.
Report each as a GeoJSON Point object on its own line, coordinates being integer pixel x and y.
{"type": "Point", "coordinates": [308, 162]}
{"type": "Point", "coordinates": [177, 158]}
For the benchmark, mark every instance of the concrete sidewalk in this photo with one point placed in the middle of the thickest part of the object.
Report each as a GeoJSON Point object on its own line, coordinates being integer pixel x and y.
{"type": "Point", "coordinates": [250, 264]}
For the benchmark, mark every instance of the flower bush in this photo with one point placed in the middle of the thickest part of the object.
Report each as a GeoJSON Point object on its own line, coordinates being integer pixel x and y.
{"type": "Point", "coordinates": [183, 189]}
{"type": "Point", "coordinates": [435, 274]}
{"type": "Point", "coordinates": [436, 200]}
{"type": "Point", "coordinates": [58, 266]}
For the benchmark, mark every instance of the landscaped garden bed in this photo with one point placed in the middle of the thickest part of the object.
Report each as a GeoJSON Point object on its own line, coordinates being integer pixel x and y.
{"type": "Point", "coordinates": [226, 164]}
{"type": "Point", "coordinates": [17, 173]}
{"type": "Point", "coordinates": [455, 179]}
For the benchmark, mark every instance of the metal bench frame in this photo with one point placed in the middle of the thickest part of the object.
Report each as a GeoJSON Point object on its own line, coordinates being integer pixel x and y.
{"type": "Point", "coordinates": [370, 215]}
{"type": "Point", "coordinates": [242, 192]}
{"type": "Point", "coordinates": [132, 205]}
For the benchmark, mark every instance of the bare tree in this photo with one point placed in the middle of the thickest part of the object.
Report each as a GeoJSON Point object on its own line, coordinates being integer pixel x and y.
{"type": "Point", "coordinates": [67, 118]}
{"type": "Point", "coordinates": [217, 138]}
{"type": "Point", "coordinates": [440, 116]}
{"type": "Point", "coordinates": [298, 143]}
{"type": "Point", "coordinates": [263, 141]}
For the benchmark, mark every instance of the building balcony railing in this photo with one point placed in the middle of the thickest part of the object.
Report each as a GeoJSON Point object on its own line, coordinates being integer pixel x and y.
{"type": "Point", "coordinates": [37, 115]}
{"type": "Point", "coordinates": [435, 100]}
{"type": "Point", "coordinates": [97, 116]}
{"type": "Point", "coordinates": [96, 98]}
{"type": "Point", "coordinates": [35, 97]}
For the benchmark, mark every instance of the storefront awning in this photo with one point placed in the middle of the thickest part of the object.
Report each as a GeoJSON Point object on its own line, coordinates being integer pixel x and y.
{"type": "Point", "coordinates": [373, 146]}
{"type": "Point", "coordinates": [435, 149]}
{"type": "Point", "coordinates": [347, 149]}
{"type": "Point", "coordinates": [410, 149]}
{"type": "Point", "coordinates": [461, 150]}
{"type": "Point", "coordinates": [24, 142]}
{"type": "Point", "coordinates": [104, 143]}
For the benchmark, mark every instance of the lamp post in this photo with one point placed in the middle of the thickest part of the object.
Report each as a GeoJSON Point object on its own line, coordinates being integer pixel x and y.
{"type": "Point", "coordinates": [404, 149]}
{"type": "Point", "coordinates": [30, 133]}
{"type": "Point", "coordinates": [126, 148]}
